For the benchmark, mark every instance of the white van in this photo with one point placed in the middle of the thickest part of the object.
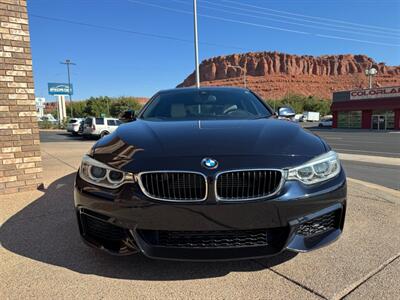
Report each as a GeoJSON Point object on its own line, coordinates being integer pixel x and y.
{"type": "Point", "coordinates": [99, 127]}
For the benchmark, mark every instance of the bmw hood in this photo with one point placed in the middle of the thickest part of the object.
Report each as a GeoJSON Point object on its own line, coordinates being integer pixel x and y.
{"type": "Point", "coordinates": [181, 145]}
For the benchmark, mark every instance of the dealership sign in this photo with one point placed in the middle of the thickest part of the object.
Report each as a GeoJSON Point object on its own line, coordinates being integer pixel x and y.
{"type": "Point", "coordinates": [375, 93]}
{"type": "Point", "coordinates": [57, 89]}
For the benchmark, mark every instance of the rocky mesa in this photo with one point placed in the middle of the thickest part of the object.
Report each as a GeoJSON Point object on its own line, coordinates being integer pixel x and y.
{"type": "Point", "coordinates": [274, 75]}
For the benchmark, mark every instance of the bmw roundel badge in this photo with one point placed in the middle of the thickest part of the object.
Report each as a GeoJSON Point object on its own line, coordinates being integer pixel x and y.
{"type": "Point", "coordinates": [209, 163]}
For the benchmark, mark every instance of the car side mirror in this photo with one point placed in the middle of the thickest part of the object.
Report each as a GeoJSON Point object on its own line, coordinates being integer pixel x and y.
{"type": "Point", "coordinates": [286, 112]}
{"type": "Point", "coordinates": [128, 116]}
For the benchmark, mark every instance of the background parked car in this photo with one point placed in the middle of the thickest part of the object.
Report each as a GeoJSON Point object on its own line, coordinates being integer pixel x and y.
{"type": "Point", "coordinates": [298, 118]}
{"type": "Point", "coordinates": [80, 131]}
{"type": "Point", "coordinates": [311, 116]}
{"type": "Point", "coordinates": [326, 121]}
{"type": "Point", "coordinates": [99, 127]}
{"type": "Point", "coordinates": [48, 118]}
{"type": "Point", "coordinates": [73, 125]}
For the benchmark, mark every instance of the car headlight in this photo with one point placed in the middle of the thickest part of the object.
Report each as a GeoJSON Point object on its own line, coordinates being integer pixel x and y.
{"type": "Point", "coordinates": [321, 168]}
{"type": "Point", "coordinates": [100, 174]}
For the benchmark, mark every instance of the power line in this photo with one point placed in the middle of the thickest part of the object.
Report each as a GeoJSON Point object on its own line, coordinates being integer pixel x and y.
{"type": "Point", "coordinates": [117, 29]}
{"type": "Point", "coordinates": [321, 25]}
{"type": "Point", "coordinates": [351, 39]}
{"type": "Point", "coordinates": [219, 18]}
{"type": "Point", "coordinates": [262, 25]}
{"type": "Point", "coordinates": [314, 17]}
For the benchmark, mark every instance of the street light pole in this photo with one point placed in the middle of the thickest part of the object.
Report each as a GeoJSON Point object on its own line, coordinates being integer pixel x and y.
{"type": "Point", "coordinates": [371, 72]}
{"type": "Point", "coordinates": [68, 62]}
{"type": "Point", "coordinates": [196, 47]}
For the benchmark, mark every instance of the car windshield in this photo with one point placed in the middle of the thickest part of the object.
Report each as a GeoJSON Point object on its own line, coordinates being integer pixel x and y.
{"type": "Point", "coordinates": [205, 105]}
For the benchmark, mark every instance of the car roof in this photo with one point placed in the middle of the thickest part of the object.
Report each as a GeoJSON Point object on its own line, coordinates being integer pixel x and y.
{"type": "Point", "coordinates": [205, 88]}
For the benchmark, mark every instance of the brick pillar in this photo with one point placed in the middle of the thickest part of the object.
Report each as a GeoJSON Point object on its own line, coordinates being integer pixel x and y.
{"type": "Point", "coordinates": [20, 159]}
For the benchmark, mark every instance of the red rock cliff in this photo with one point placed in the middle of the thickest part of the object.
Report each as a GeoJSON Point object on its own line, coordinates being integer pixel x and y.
{"type": "Point", "coordinates": [274, 75]}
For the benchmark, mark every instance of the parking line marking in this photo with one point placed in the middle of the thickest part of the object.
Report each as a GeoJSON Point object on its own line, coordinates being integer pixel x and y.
{"type": "Point", "coordinates": [292, 280]}
{"type": "Point", "coordinates": [352, 287]}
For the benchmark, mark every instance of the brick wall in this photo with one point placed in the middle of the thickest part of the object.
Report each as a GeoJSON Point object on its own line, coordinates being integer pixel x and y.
{"type": "Point", "coordinates": [20, 159]}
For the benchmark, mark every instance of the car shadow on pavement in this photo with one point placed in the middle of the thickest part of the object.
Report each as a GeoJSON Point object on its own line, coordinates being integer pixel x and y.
{"type": "Point", "coordinates": [46, 231]}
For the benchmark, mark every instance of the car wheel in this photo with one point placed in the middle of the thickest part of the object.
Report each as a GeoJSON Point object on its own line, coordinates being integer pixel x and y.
{"type": "Point", "coordinates": [320, 125]}
{"type": "Point", "coordinates": [104, 133]}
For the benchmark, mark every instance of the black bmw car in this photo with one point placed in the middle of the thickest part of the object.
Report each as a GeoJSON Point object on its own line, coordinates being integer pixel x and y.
{"type": "Point", "coordinates": [210, 174]}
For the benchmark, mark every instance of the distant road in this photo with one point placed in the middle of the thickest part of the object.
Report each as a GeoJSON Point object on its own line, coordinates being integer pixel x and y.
{"type": "Point", "coordinates": [385, 175]}
{"type": "Point", "coordinates": [362, 142]}
{"type": "Point", "coordinates": [52, 136]}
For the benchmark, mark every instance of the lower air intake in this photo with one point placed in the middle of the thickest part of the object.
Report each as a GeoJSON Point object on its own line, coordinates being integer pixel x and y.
{"type": "Point", "coordinates": [96, 226]}
{"type": "Point", "coordinates": [320, 224]}
{"type": "Point", "coordinates": [215, 239]}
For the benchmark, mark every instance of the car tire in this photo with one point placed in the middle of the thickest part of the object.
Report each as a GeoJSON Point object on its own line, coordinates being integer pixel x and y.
{"type": "Point", "coordinates": [104, 133]}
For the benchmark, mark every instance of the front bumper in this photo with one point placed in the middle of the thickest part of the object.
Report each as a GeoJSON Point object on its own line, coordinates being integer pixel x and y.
{"type": "Point", "coordinates": [125, 221]}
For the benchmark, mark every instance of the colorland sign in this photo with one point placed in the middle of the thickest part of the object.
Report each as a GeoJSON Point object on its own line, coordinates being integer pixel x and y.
{"type": "Point", "coordinates": [386, 92]}
{"type": "Point", "coordinates": [56, 89]}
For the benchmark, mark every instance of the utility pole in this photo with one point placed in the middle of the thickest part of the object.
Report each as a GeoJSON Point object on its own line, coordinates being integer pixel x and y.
{"type": "Point", "coordinates": [68, 62]}
{"type": "Point", "coordinates": [196, 46]}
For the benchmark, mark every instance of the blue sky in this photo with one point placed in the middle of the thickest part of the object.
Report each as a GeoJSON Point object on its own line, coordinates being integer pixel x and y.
{"type": "Point", "coordinates": [103, 37]}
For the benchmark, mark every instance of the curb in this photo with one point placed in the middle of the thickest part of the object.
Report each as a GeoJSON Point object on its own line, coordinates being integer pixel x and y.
{"type": "Point", "coordinates": [380, 160]}
{"type": "Point", "coordinates": [378, 187]}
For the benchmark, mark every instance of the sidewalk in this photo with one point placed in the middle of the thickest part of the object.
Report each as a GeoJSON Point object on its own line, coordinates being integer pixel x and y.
{"type": "Point", "coordinates": [42, 255]}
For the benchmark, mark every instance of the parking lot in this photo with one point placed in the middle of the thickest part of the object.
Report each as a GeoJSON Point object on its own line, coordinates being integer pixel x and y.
{"type": "Point", "coordinates": [43, 256]}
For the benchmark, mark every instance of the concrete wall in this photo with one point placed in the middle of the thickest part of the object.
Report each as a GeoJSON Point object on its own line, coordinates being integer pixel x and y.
{"type": "Point", "coordinates": [20, 159]}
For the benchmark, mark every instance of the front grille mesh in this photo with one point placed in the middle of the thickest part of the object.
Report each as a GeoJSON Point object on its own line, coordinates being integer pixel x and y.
{"type": "Point", "coordinates": [211, 239]}
{"type": "Point", "coordinates": [248, 184]}
{"type": "Point", "coordinates": [319, 225]}
{"type": "Point", "coordinates": [174, 186]}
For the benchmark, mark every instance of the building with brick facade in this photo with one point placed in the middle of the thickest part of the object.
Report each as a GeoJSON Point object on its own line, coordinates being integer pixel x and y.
{"type": "Point", "coordinates": [20, 158]}
{"type": "Point", "coordinates": [377, 108]}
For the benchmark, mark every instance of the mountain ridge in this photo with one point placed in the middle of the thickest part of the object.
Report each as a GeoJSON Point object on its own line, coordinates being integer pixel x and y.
{"type": "Point", "coordinates": [273, 75]}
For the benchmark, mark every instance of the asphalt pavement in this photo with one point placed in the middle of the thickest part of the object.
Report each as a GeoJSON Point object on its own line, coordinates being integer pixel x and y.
{"type": "Point", "coordinates": [54, 136]}
{"type": "Point", "coordinates": [386, 144]}
{"type": "Point", "coordinates": [385, 175]}
{"type": "Point", "coordinates": [363, 142]}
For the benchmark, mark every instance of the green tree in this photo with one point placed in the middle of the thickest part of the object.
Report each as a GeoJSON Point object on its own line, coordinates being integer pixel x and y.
{"type": "Point", "coordinates": [121, 104]}
{"type": "Point", "coordinates": [102, 105]}
{"type": "Point", "coordinates": [301, 103]}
